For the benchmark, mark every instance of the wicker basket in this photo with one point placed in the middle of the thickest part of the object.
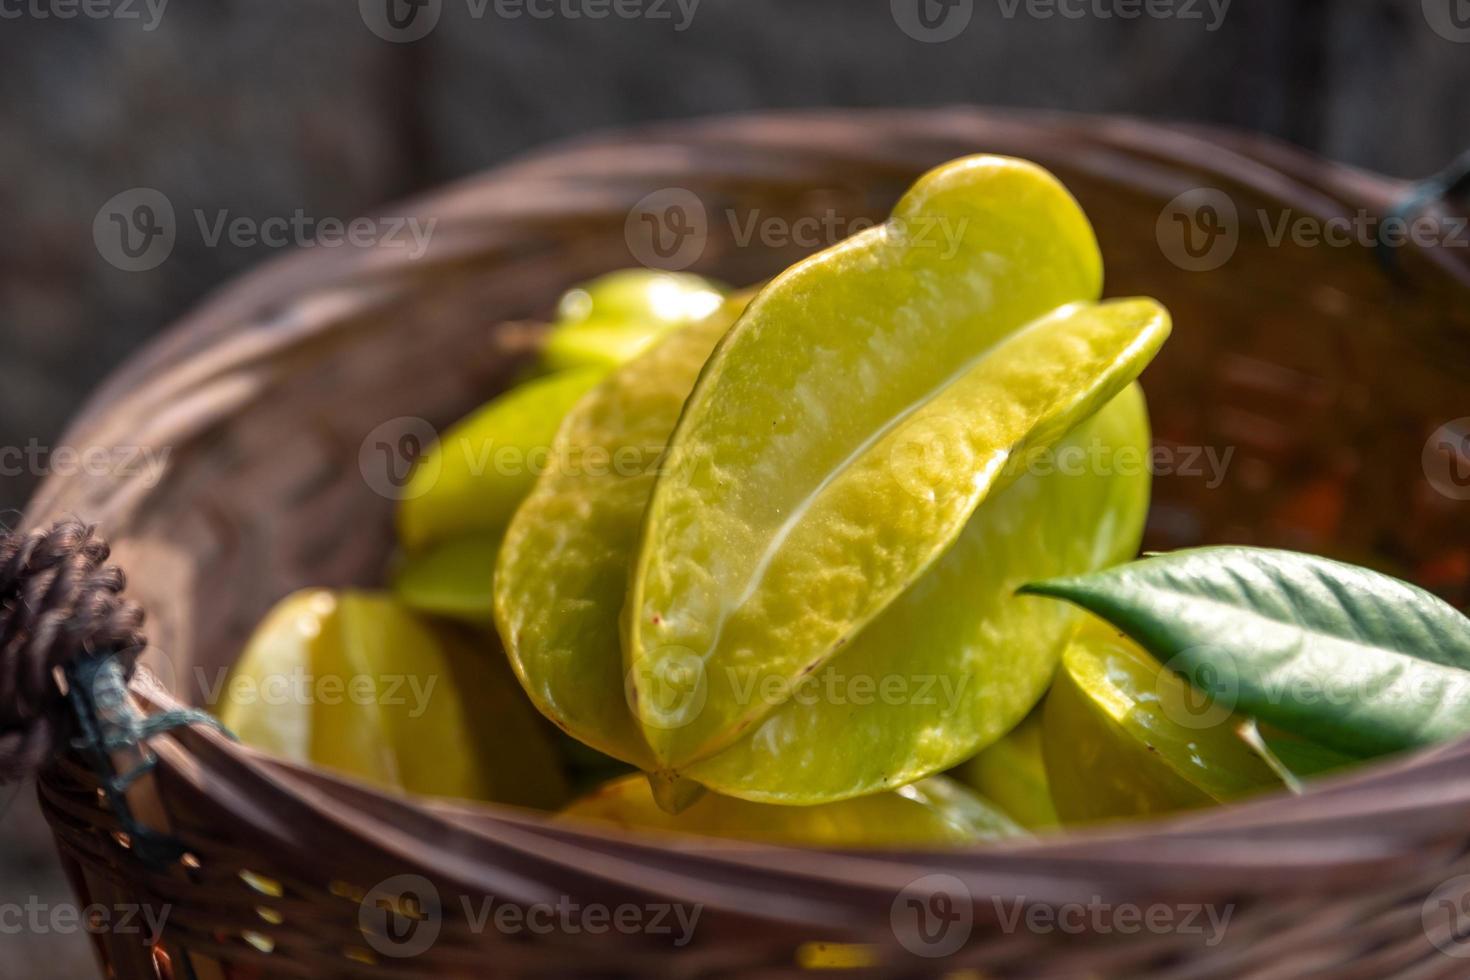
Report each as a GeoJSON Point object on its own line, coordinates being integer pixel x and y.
{"type": "Point", "coordinates": [1324, 368]}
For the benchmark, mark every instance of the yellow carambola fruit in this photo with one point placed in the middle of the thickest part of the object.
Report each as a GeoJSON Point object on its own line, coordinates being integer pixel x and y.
{"type": "Point", "coordinates": [958, 659]}
{"type": "Point", "coordinates": [453, 579]}
{"type": "Point", "coordinates": [947, 669]}
{"type": "Point", "coordinates": [354, 682]}
{"type": "Point", "coordinates": [475, 477]}
{"type": "Point", "coordinates": [841, 439]}
{"type": "Point", "coordinates": [615, 318]}
{"type": "Point", "coordinates": [1123, 737]}
{"type": "Point", "coordinates": [934, 811]}
{"type": "Point", "coordinates": [1012, 772]}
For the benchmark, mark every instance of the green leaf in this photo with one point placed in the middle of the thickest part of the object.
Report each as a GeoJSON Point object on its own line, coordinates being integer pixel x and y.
{"type": "Point", "coordinates": [1343, 656]}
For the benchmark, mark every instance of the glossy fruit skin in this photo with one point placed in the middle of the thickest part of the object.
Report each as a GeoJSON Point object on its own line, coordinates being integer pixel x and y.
{"type": "Point", "coordinates": [932, 812]}
{"type": "Point", "coordinates": [370, 690]}
{"type": "Point", "coordinates": [1012, 772]}
{"type": "Point", "coordinates": [613, 319]}
{"type": "Point", "coordinates": [780, 529]}
{"type": "Point", "coordinates": [1122, 737]}
{"type": "Point", "coordinates": [474, 478]}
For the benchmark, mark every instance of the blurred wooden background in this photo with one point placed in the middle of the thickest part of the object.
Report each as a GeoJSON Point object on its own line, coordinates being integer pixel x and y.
{"type": "Point", "coordinates": [269, 108]}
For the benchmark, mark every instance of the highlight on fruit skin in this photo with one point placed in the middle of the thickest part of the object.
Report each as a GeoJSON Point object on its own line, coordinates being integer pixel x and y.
{"type": "Point", "coordinates": [931, 812]}
{"type": "Point", "coordinates": [616, 317]}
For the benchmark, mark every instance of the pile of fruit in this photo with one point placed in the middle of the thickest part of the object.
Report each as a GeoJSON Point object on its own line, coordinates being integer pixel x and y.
{"type": "Point", "coordinates": [799, 564]}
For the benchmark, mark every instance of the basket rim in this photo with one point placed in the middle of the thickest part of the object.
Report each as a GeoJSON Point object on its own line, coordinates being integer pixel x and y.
{"type": "Point", "coordinates": [1262, 162]}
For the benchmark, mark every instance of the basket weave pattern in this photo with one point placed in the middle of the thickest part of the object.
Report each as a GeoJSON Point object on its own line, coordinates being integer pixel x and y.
{"type": "Point", "coordinates": [1324, 371]}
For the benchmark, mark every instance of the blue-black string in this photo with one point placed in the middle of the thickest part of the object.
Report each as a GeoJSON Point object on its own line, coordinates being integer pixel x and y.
{"type": "Point", "coordinates": [1451, 182]}
{"type": "Point", "coordinates": [109, 722]}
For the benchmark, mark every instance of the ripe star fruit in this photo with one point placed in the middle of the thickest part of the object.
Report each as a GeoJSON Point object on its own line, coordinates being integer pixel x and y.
{"type": "Point", "coordinates": [838, 444]}
{"type": "Point", "coordinates": [970, 658]}
{"type": "Point", "coordinates": [452, 579]}
{"type": "Point", "coordinates": [1012, 772]}
{"type": "Point", "coordinates": [929, 812]}
{"type": "Point", "coordinates": [1123, 737]}
{"type": "Point", "coordinates": [474, 477]}
{"type": "Point", "coordinates": [354, 682]}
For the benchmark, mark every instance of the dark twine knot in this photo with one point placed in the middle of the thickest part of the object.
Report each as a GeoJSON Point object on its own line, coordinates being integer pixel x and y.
{"type": "Point", "coordinates": [59, 602]}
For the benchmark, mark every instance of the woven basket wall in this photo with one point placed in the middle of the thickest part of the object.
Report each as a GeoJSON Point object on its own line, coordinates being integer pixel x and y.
{"type": "Point", "coordinates": [1324, 368]}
